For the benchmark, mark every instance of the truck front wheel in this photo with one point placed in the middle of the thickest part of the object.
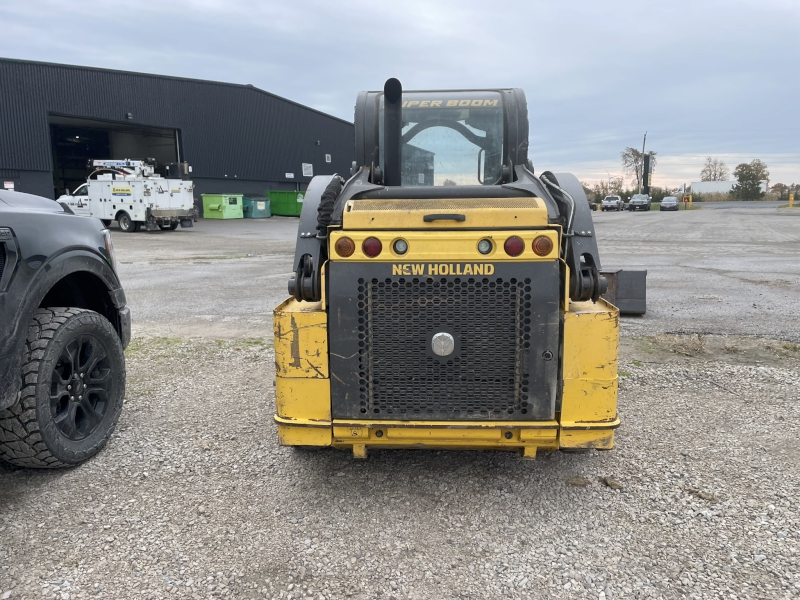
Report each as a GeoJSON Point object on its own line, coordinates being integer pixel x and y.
{"type": "Point", "coordinates": [72, 389]}
{"type": "Point", "coordinates": [127, 224]}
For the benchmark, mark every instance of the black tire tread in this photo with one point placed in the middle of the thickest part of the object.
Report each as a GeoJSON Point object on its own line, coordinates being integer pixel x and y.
{"type": "Point", "coordinates": [20, 441]}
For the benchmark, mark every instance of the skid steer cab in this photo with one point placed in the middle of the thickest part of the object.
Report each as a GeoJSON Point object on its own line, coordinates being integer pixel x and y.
{"type": "Point", "coordinates": [445, 296]}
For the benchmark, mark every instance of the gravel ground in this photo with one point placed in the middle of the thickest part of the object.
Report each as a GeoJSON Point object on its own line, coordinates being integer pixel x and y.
{"type": "Point", "coordinates": [193, 498]}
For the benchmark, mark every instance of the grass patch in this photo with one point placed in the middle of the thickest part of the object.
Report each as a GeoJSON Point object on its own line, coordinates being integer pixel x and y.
{"type": "Point", "coordinates": [791, 347]}
{"type": "Point", "coordinates": [730, 348]}
{"type": "Point", "coordinates": [623, 374]}
{"type": "Point", "coordinates": [686, 345]}
{"type": "Point", "coordinates": [637, 363]}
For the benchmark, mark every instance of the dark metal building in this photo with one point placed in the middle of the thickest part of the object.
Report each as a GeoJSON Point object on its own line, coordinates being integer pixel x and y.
{"type": "Point", "coordinates": [237, 138]}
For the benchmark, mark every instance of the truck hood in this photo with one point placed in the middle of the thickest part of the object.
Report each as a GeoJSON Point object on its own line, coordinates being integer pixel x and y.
{"type": "Point", "coordinates": [19, 202]}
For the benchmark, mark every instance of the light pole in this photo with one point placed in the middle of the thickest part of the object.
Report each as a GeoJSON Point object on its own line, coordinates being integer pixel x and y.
{"type": "Point", "coordinates": [641, 179]}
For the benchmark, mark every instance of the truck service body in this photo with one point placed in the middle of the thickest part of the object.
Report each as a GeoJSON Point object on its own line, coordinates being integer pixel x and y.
{"type": "Point", "coordinates": [444, 296]}
{"type": "Point", "coordinates": [131, 193]}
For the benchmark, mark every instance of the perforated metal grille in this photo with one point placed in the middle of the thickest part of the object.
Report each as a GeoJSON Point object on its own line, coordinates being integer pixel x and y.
{"type": "Point", "coordinates": [486, 378]}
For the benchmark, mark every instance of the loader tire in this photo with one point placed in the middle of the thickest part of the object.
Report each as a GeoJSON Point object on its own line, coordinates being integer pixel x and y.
{"type": "Point", "coordinates": [72, 389]}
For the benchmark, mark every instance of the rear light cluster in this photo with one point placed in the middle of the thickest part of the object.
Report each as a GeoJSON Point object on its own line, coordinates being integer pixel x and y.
{"type": "Point", "coordinates": [372, 247]}
{"type": "Point", "coordinates": [513, 246]}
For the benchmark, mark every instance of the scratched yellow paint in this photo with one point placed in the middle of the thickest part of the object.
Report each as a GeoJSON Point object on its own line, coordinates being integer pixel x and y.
{"type": "Point", "coordinates": [292, 434]}
{"type": "Point", "coordinates": [587, 418]}
{"type": "Point", "coordinates": [307, 398]}
{"type": "Point", "coordinates": [301, 340]}
{"type": "Point", "coordinates": [491, 213]}
{"type": "Point", "coordinates": [589, 399]}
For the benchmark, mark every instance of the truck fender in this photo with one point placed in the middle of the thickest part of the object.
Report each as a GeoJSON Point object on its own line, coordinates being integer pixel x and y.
{"type": "Point", "coordinates": [49, 274]}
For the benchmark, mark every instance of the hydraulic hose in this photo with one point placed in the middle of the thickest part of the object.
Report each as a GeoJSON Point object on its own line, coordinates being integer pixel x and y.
{"type": "Point", "coordinates": [565, 194]}
{"type": "Point", "coordinates": [326, 204]}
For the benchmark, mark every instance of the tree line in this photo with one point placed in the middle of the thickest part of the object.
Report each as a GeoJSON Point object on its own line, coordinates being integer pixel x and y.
{"type": "Point", "coordinates": [748, 178]}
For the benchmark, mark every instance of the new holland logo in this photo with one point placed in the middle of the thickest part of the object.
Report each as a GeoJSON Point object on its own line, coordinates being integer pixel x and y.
{"type": "Point", "coordinates": [443, 269]}
{"type": "Point", "coordinates": [121, 190]}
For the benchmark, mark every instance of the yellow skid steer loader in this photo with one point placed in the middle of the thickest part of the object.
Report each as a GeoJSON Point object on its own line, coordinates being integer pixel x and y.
{"type": "Point", "coordinates": [444, 295]}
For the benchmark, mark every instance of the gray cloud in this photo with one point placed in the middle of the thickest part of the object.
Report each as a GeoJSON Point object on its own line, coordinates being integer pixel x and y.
{"type": "Point", "coordinates": [703, 77]}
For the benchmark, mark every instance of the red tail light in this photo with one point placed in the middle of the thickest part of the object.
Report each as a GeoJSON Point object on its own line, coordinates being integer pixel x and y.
{"type": "Point", "coordinates": [372, 247]}
{"type": "Point", "coordinates": [514, 246]}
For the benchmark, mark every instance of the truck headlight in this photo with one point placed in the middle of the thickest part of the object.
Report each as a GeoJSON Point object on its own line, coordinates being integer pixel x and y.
{"type": "Point", "coordinates": [112, 256]}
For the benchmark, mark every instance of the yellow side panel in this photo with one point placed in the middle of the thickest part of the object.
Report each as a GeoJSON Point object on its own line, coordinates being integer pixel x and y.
{"type": "Point", "coordinates": [591, 341]}
{"type": "Point", "coordinates": [601, 440]}
{"type": "Point", "coordinates": [301, 340]}
{"type": "Point", "coordinates": [307, 399]}
{"type": "Point", "coordinates": [289, 435]}
{"type": "Point", "coordinates": [589, 400]}
{"type": "Point", "coordinates": [488, 213]}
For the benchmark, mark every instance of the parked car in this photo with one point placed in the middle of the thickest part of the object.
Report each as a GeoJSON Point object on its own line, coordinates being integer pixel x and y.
{"type": "Point", "coordinates": [640, 202]}
{"type": "Point", "coordinates": [669, 203]}
{"type": "Point", "coordinates": [64, 324]}
{"type": "Point", "coordinates": [612, 203]}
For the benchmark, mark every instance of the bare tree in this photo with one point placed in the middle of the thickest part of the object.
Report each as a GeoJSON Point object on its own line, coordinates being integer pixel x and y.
{"type": "Point", "coordinates": [607, 187]}
{"type": "Point", "coordinates": [714, 170]}
{"type": "Point", "coordinates": [632, 164]}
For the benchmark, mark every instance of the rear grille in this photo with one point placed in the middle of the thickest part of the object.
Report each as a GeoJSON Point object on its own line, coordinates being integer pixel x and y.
{"type": "Point", "coordinates": [486, 377]}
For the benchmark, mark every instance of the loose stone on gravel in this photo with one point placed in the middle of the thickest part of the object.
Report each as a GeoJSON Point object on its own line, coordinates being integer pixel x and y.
{"type": "Point", "coordinates": [710, 505]}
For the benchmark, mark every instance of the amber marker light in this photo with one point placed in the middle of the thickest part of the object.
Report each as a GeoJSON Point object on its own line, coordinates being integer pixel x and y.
{"type": "Point", "coordinates": [372, 247]}
{"type": "Point", "coordinates": [542, 245]}
{"type": "Point", "coordinates": [345, 247]}
{"type": "Point", "coordinates": [514, 246]}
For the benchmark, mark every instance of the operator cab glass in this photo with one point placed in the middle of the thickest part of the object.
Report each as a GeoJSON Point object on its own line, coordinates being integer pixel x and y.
{"type": "Point", "coordinates": [450, 138]}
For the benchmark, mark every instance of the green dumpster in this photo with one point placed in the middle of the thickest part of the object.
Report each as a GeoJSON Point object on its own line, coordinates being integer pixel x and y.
{"type": "Point", "coordinates": [256, 207]}
{"type": "Point", "coordinates": [222, 206]}
{"type": "Point", "coordinates": [286, 204]}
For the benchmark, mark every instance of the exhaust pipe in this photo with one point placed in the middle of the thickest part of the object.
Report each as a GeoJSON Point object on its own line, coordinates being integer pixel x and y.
{"type": "Point", "coordinates": [392, 131]}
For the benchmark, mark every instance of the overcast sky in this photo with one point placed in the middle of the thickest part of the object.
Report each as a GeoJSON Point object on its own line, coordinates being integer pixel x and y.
{"type": "Point", "coordinates": [703, 77]}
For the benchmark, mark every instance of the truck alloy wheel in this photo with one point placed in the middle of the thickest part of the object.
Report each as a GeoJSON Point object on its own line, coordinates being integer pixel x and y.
{"type": "Point", "coordinates": [72, 390]}
{"type": "Point", "coordinates": [125, 223]}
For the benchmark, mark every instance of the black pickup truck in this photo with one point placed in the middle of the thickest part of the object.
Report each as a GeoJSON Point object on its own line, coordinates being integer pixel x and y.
{"type": "Point", "coordinates": [63, 327]}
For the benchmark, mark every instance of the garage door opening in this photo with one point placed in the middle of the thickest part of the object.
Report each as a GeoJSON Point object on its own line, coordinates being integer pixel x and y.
{"type": "Point", "coordinates": [76, 141]}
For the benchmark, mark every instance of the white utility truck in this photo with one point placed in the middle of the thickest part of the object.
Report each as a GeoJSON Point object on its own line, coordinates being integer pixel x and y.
{"type": "Point", "coordinates": [131, 193]}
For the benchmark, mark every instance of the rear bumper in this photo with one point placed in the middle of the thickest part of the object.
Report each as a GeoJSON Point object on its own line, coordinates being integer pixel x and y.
{"type": "Point", "coordinates": [174, 213]}
{"type": "Point", "coordinates": [525, 438]}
